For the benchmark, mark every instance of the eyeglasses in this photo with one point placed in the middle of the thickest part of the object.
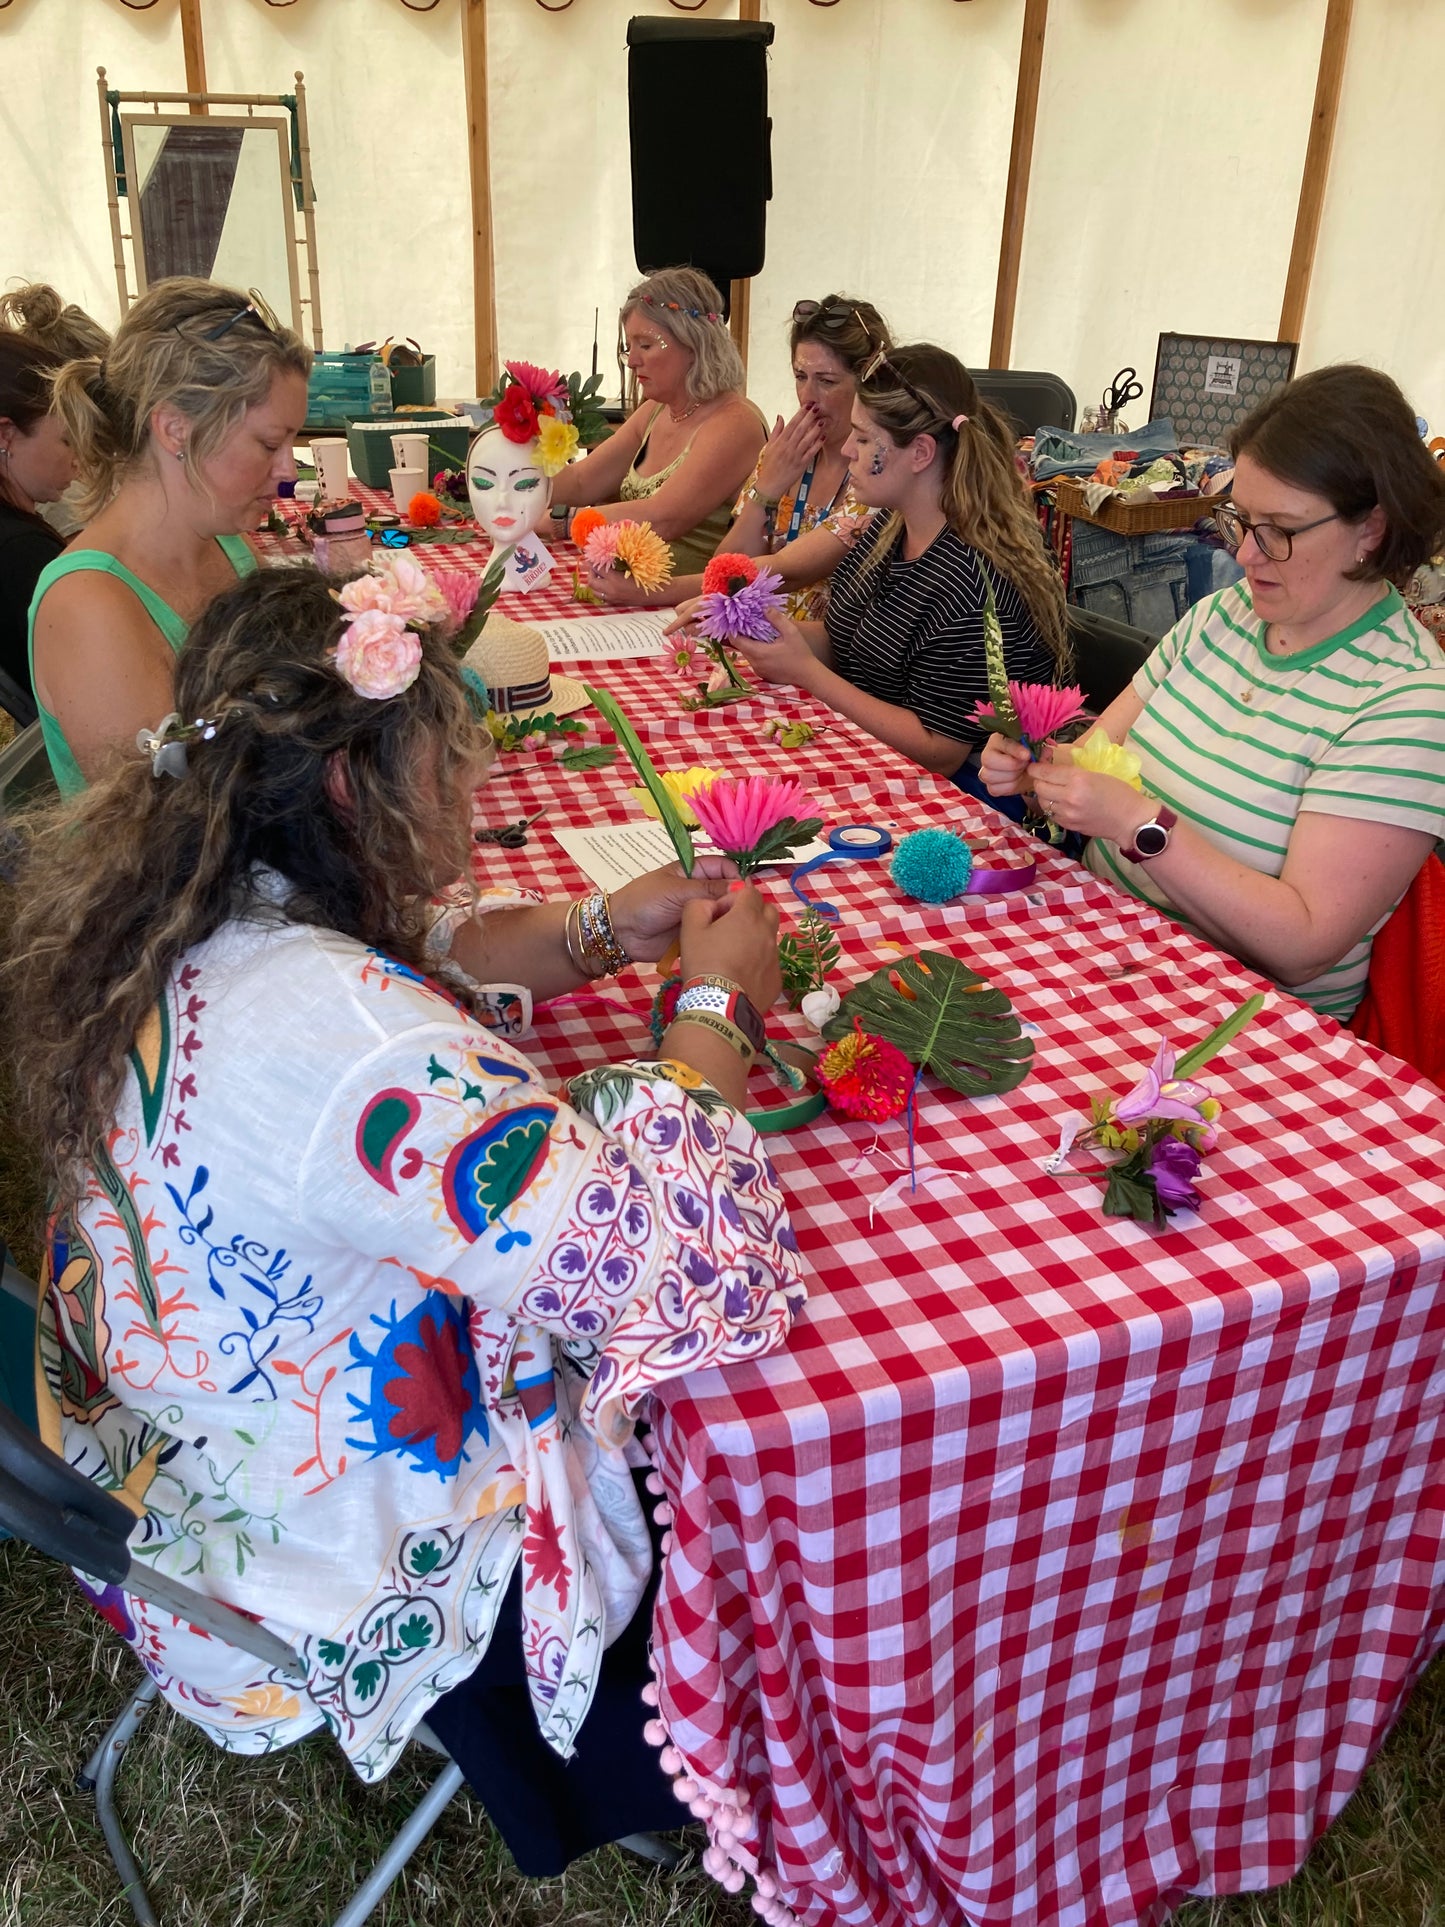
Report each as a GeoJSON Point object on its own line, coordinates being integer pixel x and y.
{"type": "Point", "coordinates": [880, 360]}
{"type": "Point", "coordinates": [258, 308]}
{"type": "Point", "coordinates": [1274, 543]}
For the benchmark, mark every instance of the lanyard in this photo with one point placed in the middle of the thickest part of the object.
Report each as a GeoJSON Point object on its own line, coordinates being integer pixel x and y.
{"type": "Point", "coordinates": [800, 501]}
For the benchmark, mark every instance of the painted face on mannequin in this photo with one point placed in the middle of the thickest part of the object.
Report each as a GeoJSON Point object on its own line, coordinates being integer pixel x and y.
{"type": "Point", "coordinates": [509, 493]}
{"type": "Point", "coordinates": [875, 461]}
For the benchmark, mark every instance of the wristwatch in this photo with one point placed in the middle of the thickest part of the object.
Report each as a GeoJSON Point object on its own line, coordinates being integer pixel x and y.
{"type": "Point", "coordinates": [1151, 838]}
{"type": "Point", "coordinates": [755, 494]}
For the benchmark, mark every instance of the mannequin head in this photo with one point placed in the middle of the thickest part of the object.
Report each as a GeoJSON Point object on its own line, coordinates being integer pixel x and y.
{"type": "Point", "coordinates": [509, 493]}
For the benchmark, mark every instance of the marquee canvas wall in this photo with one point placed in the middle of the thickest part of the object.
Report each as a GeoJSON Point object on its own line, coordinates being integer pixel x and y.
{"type": "Point", "coordinates": [1166, 167]}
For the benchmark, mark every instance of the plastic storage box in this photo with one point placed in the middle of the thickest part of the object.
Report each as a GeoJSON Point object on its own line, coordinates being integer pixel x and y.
{"type": "Point", "coordinates": [369, 444]}
{"type": "Point", "coordinates": [347, 388]}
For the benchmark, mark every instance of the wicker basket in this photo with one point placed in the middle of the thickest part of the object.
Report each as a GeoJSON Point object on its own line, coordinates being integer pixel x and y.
{"type": "Point", "coordinates": [1131, 518]}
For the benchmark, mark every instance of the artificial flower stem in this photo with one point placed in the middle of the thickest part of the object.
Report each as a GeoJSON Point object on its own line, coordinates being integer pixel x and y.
{"type": "Point", "coordinates": [1210, 1046]}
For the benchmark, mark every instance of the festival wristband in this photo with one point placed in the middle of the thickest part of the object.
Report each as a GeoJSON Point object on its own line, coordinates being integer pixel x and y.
{"type": "Point", "coordinates": [720, 1027]}
{"type": "Point", "coordinates": [724, 999]}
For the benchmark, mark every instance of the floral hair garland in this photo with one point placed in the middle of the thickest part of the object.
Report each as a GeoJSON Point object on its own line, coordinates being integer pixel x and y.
{"type": "Point", "coordinates": [561, 413]}
{"type": "Point", "coordinates": [379, 653]}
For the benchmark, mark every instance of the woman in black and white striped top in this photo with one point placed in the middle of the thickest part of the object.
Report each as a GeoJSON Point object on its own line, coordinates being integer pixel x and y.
{"type": "Point", "coordinates": [901, 652]}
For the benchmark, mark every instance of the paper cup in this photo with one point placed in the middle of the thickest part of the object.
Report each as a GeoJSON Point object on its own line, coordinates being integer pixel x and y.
{"type": "Point", "coordinates": [405, 482]}
{"type": "Point", "coordinates": [329, 456]}
{"type": "Point", "coordinates": [410, 451]}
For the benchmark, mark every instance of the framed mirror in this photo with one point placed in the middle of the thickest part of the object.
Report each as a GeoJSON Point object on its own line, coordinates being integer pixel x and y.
{"type": "Point", "coordinates": [211, 196]}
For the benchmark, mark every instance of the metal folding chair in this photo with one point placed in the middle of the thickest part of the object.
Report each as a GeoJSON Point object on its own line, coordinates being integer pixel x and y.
{"type": "Point", "coordinates": [24, 777]}
{"type": "Point", "coordinates": [56, 1509]}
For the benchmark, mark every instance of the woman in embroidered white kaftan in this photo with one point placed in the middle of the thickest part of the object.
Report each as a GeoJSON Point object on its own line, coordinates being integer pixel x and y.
{"type": "Point", "coordinates": [346, 1303]}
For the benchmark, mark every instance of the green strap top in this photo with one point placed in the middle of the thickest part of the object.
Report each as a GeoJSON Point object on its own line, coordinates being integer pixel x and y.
{"type": "Point", "coordinates": [68, 778]}
{"type": "Point", "coordinates": [691, 552]}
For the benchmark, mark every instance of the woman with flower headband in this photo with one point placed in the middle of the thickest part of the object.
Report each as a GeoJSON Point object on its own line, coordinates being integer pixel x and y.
{"type": "Point", "coordinates": [690, 445]}
{"type": "Point", "coordinates": [798, 514]}
{"type": "Point", "coordinates": [900, 651]}
{"type": "Point", "coordinates": [352, 1308]}
{"type": "Point", "coordinates": [181, 433]}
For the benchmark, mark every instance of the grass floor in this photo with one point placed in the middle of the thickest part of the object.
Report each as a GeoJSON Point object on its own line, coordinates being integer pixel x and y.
{"type": "Point", "coordinates": [232, 1842]}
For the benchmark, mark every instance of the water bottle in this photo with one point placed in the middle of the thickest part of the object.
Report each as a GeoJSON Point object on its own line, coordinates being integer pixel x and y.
{"type": "Point", "coordinates": [380, 379]}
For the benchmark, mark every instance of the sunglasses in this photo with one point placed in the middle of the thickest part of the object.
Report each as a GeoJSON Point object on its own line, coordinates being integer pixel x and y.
{"type": "Point", "coordinates": [805, 310]}
{"type": "Point", "coordinates": [258, 308]}
{"type": "Point", "coordinates": [880, 360]}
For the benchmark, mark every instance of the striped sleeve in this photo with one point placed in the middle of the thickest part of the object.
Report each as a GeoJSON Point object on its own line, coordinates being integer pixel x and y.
{"type": "Point", "coordinates": [1388, 764]}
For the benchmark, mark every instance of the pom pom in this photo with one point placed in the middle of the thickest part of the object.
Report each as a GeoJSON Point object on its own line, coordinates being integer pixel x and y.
{"type": "Point", "coordinates": [726, 574]}
{"type": "Point", "coordinates": [734, 1880]}
{"type": "Point", "coordinates": [655, 1485]}
{"type": "Point", "coordinates": [865, 1076]}
{"type": "Point", "coordinates": [932, 865]}
{"type": "Point", "coordinates": [423, 511]}
{"type": "Point", "coordinates": [584, 522]}
{"type": "Point", "coordinates": [715, 1862]}
{"type": "Point", "coordinates": [663, 1514]}
{"type": "Point", "coordinates": [650, 1694]}
{"type": "Point", "coordinates": [655, 1733]}
{"type": "Point", "coordinates": [667, 1542]}
{"type": "Point", "coordinates": [672, 1761]}
{"type": "Point", "coordinates": [687, 1790]}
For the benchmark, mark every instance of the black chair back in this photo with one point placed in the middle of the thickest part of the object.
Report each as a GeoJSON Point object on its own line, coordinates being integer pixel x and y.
{"type": "Point", "coordinates": [1028, 399]}
{"type": "Point", "coordinates": [1106, 655]}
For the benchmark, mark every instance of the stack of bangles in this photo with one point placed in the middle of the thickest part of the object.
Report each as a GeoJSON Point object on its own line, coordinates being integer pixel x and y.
{"type": "Point", "coordinates": [595, 952]}
{"type": "Point", "coordinates": [723, 1007]}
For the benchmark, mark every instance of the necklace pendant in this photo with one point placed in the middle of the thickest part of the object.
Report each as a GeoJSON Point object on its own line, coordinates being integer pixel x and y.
{"type": "Point", "coordinates": [1246, 695]}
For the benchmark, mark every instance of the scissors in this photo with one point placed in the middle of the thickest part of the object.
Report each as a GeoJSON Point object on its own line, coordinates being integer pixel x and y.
{"type": "Point", "coordinates": [849, 843]}
{"type": "Point", "coordinates": [1124, 388]}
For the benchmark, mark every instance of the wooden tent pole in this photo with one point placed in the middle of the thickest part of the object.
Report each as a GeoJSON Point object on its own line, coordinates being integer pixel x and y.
{"type": "Point", "coordinates": [194, 47]}
{"type": "Point", "coordinates": [484, 292]}
{"type": "Point", "coordinates": [1016, 194]}
{"type": "Point", "coordinates": [308, 210]}
{"type": "Point", "coordinates": [107, 147]}
{"type": "Point", "coordinates": [740, 300]}
{"type": "Point", "coordinates": [1328, 86]}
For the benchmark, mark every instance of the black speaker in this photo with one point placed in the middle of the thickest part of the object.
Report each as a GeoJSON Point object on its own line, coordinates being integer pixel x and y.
{"type": "Point", "coordinates": [702, 174]}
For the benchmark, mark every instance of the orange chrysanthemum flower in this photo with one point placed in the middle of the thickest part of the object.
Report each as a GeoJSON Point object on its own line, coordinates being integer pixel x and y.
{"type": "Point", "coordinates": [865, 1076]}
{"type": "Point", "coordinates": [423, 511]}
{"type": "Point", "coordinates": [642, 554]}
{"type": "Point", "coordinates": [584, 522]}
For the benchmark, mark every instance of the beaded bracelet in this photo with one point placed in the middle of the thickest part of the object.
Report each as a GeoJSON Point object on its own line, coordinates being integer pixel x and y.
{"type": "Point", "coordinates": [578, 963]}
{"type": "Point", "coordinates": [597, 936]}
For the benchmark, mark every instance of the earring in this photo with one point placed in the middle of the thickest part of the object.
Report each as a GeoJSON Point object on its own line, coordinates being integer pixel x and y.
{"type": "Point", "coordinates": [180, 454]}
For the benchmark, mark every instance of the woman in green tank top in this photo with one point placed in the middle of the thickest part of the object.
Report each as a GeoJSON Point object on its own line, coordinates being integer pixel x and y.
{"type": "Point", "coordinates": [182, 434]}
{"type": "Point", "coordinates": [680, 459]}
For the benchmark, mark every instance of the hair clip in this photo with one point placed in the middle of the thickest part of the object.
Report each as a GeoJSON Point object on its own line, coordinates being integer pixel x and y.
{"type": "Point", "coordinates": [166, 743]}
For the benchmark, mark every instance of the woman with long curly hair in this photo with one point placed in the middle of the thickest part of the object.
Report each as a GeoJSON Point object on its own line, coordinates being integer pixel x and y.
{"type": "Point", "coordinates": [342, 1299]}
{"type": "Point", "coordinates": [900, 651]}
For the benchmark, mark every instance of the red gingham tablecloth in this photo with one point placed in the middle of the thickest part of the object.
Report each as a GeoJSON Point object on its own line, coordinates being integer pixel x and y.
{"type": "Point", "coordinates": [1056, 1568]}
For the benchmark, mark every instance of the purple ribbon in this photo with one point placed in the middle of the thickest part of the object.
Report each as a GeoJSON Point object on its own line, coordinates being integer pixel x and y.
{"type": "Point", "coordinates": [993, 883]}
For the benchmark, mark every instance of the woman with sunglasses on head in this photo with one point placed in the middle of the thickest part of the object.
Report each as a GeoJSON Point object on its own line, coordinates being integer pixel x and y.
{"type": "Point", "coordinates": [182, 433]}
{"type": "Point", "coordinates": [900, 651]}
{"type": "Point", "coordinates": [396, 1431]}
{"type": "Point", "coordinates": [680, 458]}
{"type": "Point", "coordinates": [798, 513]}
{"type": "Point", "coordinates": [1291, 729]}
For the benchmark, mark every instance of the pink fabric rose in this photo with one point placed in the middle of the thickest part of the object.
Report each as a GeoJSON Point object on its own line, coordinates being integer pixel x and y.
{"type": "Point", "coordinates": [378, 655]}
{"type": "Point", "coordinates": [365, 592]}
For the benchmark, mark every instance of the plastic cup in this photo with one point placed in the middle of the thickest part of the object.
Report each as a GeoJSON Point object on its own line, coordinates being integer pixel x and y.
{"type": "Point", "coordinates": [405, 482]}
{"type": "Point", "coordinates": [410, 451]}
{"type": "Point", "coordinates": [332, 468]}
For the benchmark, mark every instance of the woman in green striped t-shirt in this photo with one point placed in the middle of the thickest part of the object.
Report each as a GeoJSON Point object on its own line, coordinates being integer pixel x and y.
{"type": "Point", "coordinates": [1291, 729]}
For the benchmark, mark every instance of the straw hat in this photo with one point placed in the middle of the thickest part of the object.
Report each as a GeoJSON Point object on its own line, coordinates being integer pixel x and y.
{"type": "Point", "coordinates": [511, 659]}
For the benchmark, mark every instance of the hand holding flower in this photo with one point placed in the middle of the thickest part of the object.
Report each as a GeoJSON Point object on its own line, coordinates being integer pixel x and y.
{"type": "Point", "coordinates": [1004, 765]}
{"type": "Point", "coordinates": [1077, 799]}
{"type": "Point", "coordinates": [789, 660]}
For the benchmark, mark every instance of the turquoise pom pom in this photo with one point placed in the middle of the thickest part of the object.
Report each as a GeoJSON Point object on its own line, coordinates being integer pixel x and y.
{"type": "Point", "coordinates": [932, 865]}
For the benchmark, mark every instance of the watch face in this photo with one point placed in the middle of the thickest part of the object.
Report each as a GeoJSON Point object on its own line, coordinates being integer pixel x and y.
{"type": "Point", "coordinates": [1152, 840]}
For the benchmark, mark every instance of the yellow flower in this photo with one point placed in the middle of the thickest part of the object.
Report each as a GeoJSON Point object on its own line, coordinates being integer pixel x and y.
{"type": "Point", "coordinates": [642, 554]}
{"type": "Point", "coordinates": [679, 784]}
{"type": "Point", "coordinates": [556, 444]}
{"type": "Point", "coordinates": [1098, 752]}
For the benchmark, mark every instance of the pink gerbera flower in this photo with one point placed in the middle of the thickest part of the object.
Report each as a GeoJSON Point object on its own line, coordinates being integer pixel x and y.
{"type": "Point", "coordinates": [542, 384]}
{"type": "Point", "coordinates": [738, 812]}
{"type": "Point", "coordinates": [600, 548]}
{"type": "Point", "coordinates": [1041, 709]}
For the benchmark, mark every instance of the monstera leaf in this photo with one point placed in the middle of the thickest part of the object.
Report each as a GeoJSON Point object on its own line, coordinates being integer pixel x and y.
{"type": "Point", "coordinates": [945, 1018]}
